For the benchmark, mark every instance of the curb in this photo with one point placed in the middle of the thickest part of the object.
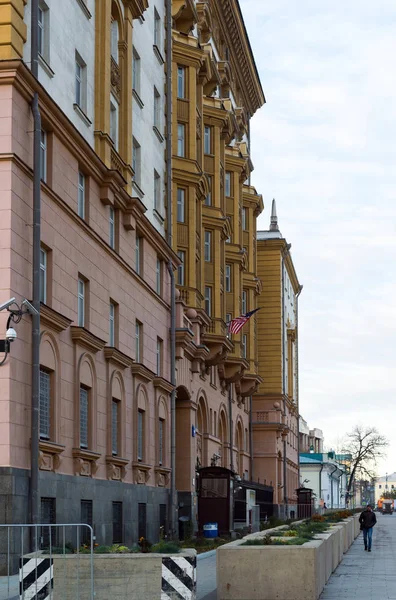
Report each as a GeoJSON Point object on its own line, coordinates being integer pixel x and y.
{"type": "Point", "coordinates": [206, 554]}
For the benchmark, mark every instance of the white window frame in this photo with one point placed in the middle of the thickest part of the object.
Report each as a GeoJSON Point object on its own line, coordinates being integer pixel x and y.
{"type": "Point", "coordinates": [140, 435]}
{"type": "Point", "coordinates": [227, 184]}
{"type": "Point", "coordinates": [115, 420]}
{"type": "Point", "coordinates": [43, 31]}
{"type": "Point", "coordinates": [181, 272]}
{"type": "Point", "coordinates": [208, 300]}
{"type": "Point", "coordinates": [112, 228]}
{"type": "Point", "coordinates": [84, 398]}
{"type": "Point", "coordinates": [43, 275]}
{"type": "Point", "coordinates": [243, 219]}
{"type": "Point", "coordinates": [138, 341]}
{"type": "Point", "coordinates": [159, 356]}
{"type": "Point", "coordinates": [81, 195]}
{"type": "Point", "coordinates": [114, 121]}
{"type": "Point", "coordinates": [80, 82]}
{"type": "Point", "coordinates": [244, 300]}
{"type": "Point", "coordinates": [244, 345]}
{"type": "Point", "coordinates": [158, 277]}
{"type": "Point", "coordinates": [112, 316]}
{"type": "Point", "coordinates": [138, 254]}
{"type": "Point", "coordinates": [207, 139]}
{"type": "Point", "coordinates": [157, 29]}
{"type": "Point", "coordinates": [228, 278]}
{"type": "Point", "coordinates": [81, 302]}
{"type": "Point", "coordinates": [157, 109]}
{"type": "Point", "coordinates": [136, 66]}
{"type": "Point", "coordinates": [181, 140]}
{"type": "Point", "coordinates": [43, 155]}
{"type": "Point", "coordinates": [157, 192]}
{"type": "Point", "coordinates": [181, 205]}
{"type": "Point", "coordinates": [115, 36]}
{"type": "Point", "coordinates": [208, 199]}
{"type": "Point", "coordinates": [228, 317]}
{"type": "Point", "coordinates": [208, 246]}
{"type": "Point", "coordinates": [136, 158]}
{"type": "Point", "coordinates": [181, 82]}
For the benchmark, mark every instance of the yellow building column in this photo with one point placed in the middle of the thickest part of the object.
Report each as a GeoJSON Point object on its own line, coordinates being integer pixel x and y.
{"type": "Point", "coordinates": [12, 29]}
{"type": "Point", "coordinates": [102, 80]}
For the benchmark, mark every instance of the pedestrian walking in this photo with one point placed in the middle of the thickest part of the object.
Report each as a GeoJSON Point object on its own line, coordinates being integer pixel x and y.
{"type": "Point", "coordinates": [367, 521]}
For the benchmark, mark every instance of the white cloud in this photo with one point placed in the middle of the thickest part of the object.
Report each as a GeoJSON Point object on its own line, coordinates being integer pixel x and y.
{"type": "Point", "coordinates": [324, 147]}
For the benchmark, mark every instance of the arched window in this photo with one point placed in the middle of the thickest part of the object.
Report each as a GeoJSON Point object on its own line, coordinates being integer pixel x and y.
{"type": "Point", "coordinates": [117, 417]}
{"type": "Point", "coordinates": [142, 425]}
{"type": "Point", "coordinates": [115, 37]}
{"type": "Point", "coordinates": [86, 410]}
{"type": "Point", "coordinates": [162, 433]}
{"type": "Point", "coordinates": [49, 388]}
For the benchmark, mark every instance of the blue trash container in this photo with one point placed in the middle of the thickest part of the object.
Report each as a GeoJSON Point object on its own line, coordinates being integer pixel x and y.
{"type": "Point", "coordinates": [211, 530]}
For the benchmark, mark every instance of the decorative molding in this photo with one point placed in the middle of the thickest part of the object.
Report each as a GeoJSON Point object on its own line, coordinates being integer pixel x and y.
{"type": "Point", "coordinates": [52, 319]}
{"type": "Point", "coordinates": [137, 7]}
{"type": "Point", "coordinates": [142, 372]}
{"type": "Point", "coordinates": [50, 455]}
{"type": "Point", "coordinates": [121, 360]}
{"type": "Point", "coordinates": [163, 384]}
{"type": "Point", "coordinates": [85, 462]}
{"type": "Point", "coordinates": [141, 472]}
{"type": "Point", "coordinates": [86, 339]}
{"type": "Point", "coordinates": [84, 8]}
{"type": "Point", "coordinates": [162, 476]}
{"type": "Point", "coordinates": [82, 115]}
{"type": "Point", "coordinates": [184, 15]}
{"type": "Point", "coordinates": [116, 467]}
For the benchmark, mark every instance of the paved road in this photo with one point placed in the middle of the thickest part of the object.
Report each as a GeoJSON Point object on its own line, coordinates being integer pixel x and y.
{"type": "Point", "coordinates": [367, 576]}
{"type": "Point", "coordinates": [206, 576]}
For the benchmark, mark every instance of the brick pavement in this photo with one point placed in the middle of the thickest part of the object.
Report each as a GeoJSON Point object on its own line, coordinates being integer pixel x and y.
{"type": "Point", "coordinates": [367, 576]}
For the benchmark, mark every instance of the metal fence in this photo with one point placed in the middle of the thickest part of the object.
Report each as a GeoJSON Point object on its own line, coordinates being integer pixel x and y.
{"type": "Point", "coordinates": [46, 561]}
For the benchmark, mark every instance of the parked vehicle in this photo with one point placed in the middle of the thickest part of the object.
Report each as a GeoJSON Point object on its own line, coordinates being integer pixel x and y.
{"type": "Point", "coordinates": [388, 506]}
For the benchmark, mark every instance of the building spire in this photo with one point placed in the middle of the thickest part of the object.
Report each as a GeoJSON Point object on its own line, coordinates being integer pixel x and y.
{"type": "Point", "coordinates": [274, 218]}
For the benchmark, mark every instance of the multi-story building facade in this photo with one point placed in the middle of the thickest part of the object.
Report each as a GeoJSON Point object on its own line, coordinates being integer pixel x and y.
{"type": "Point", "coordinates": [105, 356]}
{"type": "Point", "coordinates": [311, 440]}
{"type": "Point", "coordinates": [275, 404]}
{"type": "Point", "coordinates": [216, 89]}
{"type": "Point", "coordinates": [104, 449]}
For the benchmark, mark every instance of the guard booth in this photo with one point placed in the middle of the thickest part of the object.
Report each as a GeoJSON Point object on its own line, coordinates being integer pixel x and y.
{"type": "Point", "coordinates": [263, 498]}
{"type": "Point", "coordinates": [304, 502]}
{"type": "Point", "coordinates": [216, 498]}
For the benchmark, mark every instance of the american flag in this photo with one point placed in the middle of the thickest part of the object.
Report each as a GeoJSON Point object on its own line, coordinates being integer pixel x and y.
{"type": "Point", "coordinates": [236, 324]}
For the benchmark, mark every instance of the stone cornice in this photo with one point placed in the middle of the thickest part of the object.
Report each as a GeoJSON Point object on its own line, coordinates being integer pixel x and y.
{"type": "Point", "coordinates": [187, 54]}
{"type": "Point", "coordinates": [118, 358]}
{"type": "Point", "coordinates": [52, 319]}
{"type": "Point", "coordinates": [137, 7]}
{"type": "Point", "coordinates": [86, 339]}
{"type": "Point", "coordinates": [142, 372]}
{"type": "Point", "coordinates": [162, 384]}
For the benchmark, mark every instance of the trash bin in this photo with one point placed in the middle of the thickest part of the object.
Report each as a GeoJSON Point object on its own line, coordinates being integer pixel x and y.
{"type": "Point", "coordinates": [211, 530]}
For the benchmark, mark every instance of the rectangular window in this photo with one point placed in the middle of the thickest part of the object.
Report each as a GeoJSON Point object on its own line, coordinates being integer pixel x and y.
{"type": "Point", "coordinates": [228, 317]}
{"type": "Point", "coordinates": [244, 302]}
{"type": "Point", "coordinates": [112, 319]}
{"type": "Point", "coordinates": [43, 276]}
{"type": "Point", "coordinates": [159, 356]}
{"type": "Point", "coordinates": [181, 82]}
{"type": "Point", "coordinates": [43, 156]}
{"type": "Point", "coordinates": [244, 219]}
{"type": "Point", "coordinates": [140, 448]}
{"type": "Point", "coordinates": [81, 195]}
{"type": "Point", "coordinates": [81, 303]}
{"type": "Point", "coordinates": [181, 140]}
{"type": "Point", "coordinates": [228, 278]}
{"type": "Point", "coordinates": [181, 205]}
{"type": "Point", "coordinates": [208, 199]}
{"type": "Point", "coordinates": [157, 29]}
{"type": "Point", "coordinates": [84, 416]}
{"type": "Point", "coordinates": [138, 341]}
{"type": "Point", "coordinates": [114, 426]}
{"type": "Point", "coordinates": [43, 30]}
{"type": "Point", "coordinates": [214, 423]}
{"type": "Point", "coordinates": [161, 441]}
{"type": "Point", "coordinates": [117, 523]}
{"type": "Point", "coordinates": [112, 227]}
{"type": "Point", "coordinates": [114, 37]}
{"type": "Point", "coordinates": [80, 82]}
{"type": "Point", "coordinates": [114, 108]}
{"type": "Point", "coordinates": [138, 255]}
{"type": "Point", "coordinates": [48, 516]}
{"type": "Point", "coordinates": [208, 300]}
{"type": "Point", "coordinates": [157, 192]}
{"type": "Point", "coordinates": [136, 156]}
{"type": "Point", "coordinates": [158, 277]}
{"type": "Point", "coordinates": [45, 404]}
{"type": "Point", "coordinates": [244, 346]}
{"type": "Point", "coordinates": [142, 520]}
{"type": "Point", "coordinates": [228, 184]}
{"type": "Point", "coordinates": [207, 140]}
{"type": "Point", "coordinates": [181, 269]}
{"type": "Point", "coordinates": [208, 246]}
{"type": "Point", "coordinates": [157, 109]}
{"type": "Point", "coordinates": [136, 71]}
{"type": "Point", "coordinates": [86, 517]}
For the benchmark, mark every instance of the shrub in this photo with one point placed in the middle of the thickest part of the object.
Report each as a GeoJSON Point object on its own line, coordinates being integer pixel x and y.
{"type": "Point", "coordinates": [164, 547]}
{"type": "Point", "coordinates": [290, 533]}
{"type": "Point", "coordinates": [119, 549]}
{"type": "Point", "coordinates": [264, 541]}
{"type": "Point", "coordinates": [102, 550]}
{"type": "Point", "coordinates": [318, 518]}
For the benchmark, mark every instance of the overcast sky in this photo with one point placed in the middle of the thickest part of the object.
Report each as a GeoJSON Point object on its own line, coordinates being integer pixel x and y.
{"type": "Point", "coordinates": [324, 146]}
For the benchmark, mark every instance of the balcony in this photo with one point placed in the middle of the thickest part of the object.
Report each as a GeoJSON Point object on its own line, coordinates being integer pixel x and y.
{"type": "Point", "coordinates": [184, 15]}
{"type": "Point", "coordinates": [215, 338]}
{"type": "Point", "coordinates": [269, 420]}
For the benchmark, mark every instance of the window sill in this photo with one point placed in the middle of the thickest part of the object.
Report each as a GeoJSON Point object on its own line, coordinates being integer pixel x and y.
{"type": "Point", "coordinates": [158, 55]}
{"type": "Point", "coordinates": [116, 467]}
{"type": "Point", "coordinates": [159, 217]}
{"type": "Point", "coordinates": [162, 475]}
{"type": "Point", "coordinates": [137, 189]}
{"type": "Point", "coordinates": [141, 472]}
{"type": "Point", "coordinates": [45, 66]}
{"type": "Point", "coordinates": [158, 134]}
{"type": "Point", "coordinates": [82, 114]}
{"type": "Point", "coordinates": [137, 98]}
{"type": "Point", "coordinates": [85, 462]}
{"type": "Point", "coordinates": [84, 8]}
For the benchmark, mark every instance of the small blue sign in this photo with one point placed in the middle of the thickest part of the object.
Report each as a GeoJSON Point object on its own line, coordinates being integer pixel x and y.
{"type": "Point", "coordinates": [193, 430]}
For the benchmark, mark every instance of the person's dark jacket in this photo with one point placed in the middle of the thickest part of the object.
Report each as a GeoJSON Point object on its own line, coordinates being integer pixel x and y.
{"type": "Point", "coordinates": [367, 519]}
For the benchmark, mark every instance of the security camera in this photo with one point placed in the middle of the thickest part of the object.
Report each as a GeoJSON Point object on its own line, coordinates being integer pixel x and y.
{"type": "Point", "coordinates": [11, 335]}
{"type": "Point", "coordinates": [7, 304]}
{"type": "Point", "coordinates": [29, 307]}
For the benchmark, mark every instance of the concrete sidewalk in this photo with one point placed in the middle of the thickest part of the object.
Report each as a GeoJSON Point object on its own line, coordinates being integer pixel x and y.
{"type": "Point", "coordinates": [367, 575]}
{"type": "Point", "coordinates": [206, 576]}
{"type": "Point", "coordinates": [12, 586]}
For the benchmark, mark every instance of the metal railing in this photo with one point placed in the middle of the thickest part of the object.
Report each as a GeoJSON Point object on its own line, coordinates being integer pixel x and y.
{"type": "Point", "coordinates": [45, 561]}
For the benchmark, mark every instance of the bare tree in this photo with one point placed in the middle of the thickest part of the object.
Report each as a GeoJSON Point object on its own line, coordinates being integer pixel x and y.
{"type": "Point", "coordinates": [365, 445]}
